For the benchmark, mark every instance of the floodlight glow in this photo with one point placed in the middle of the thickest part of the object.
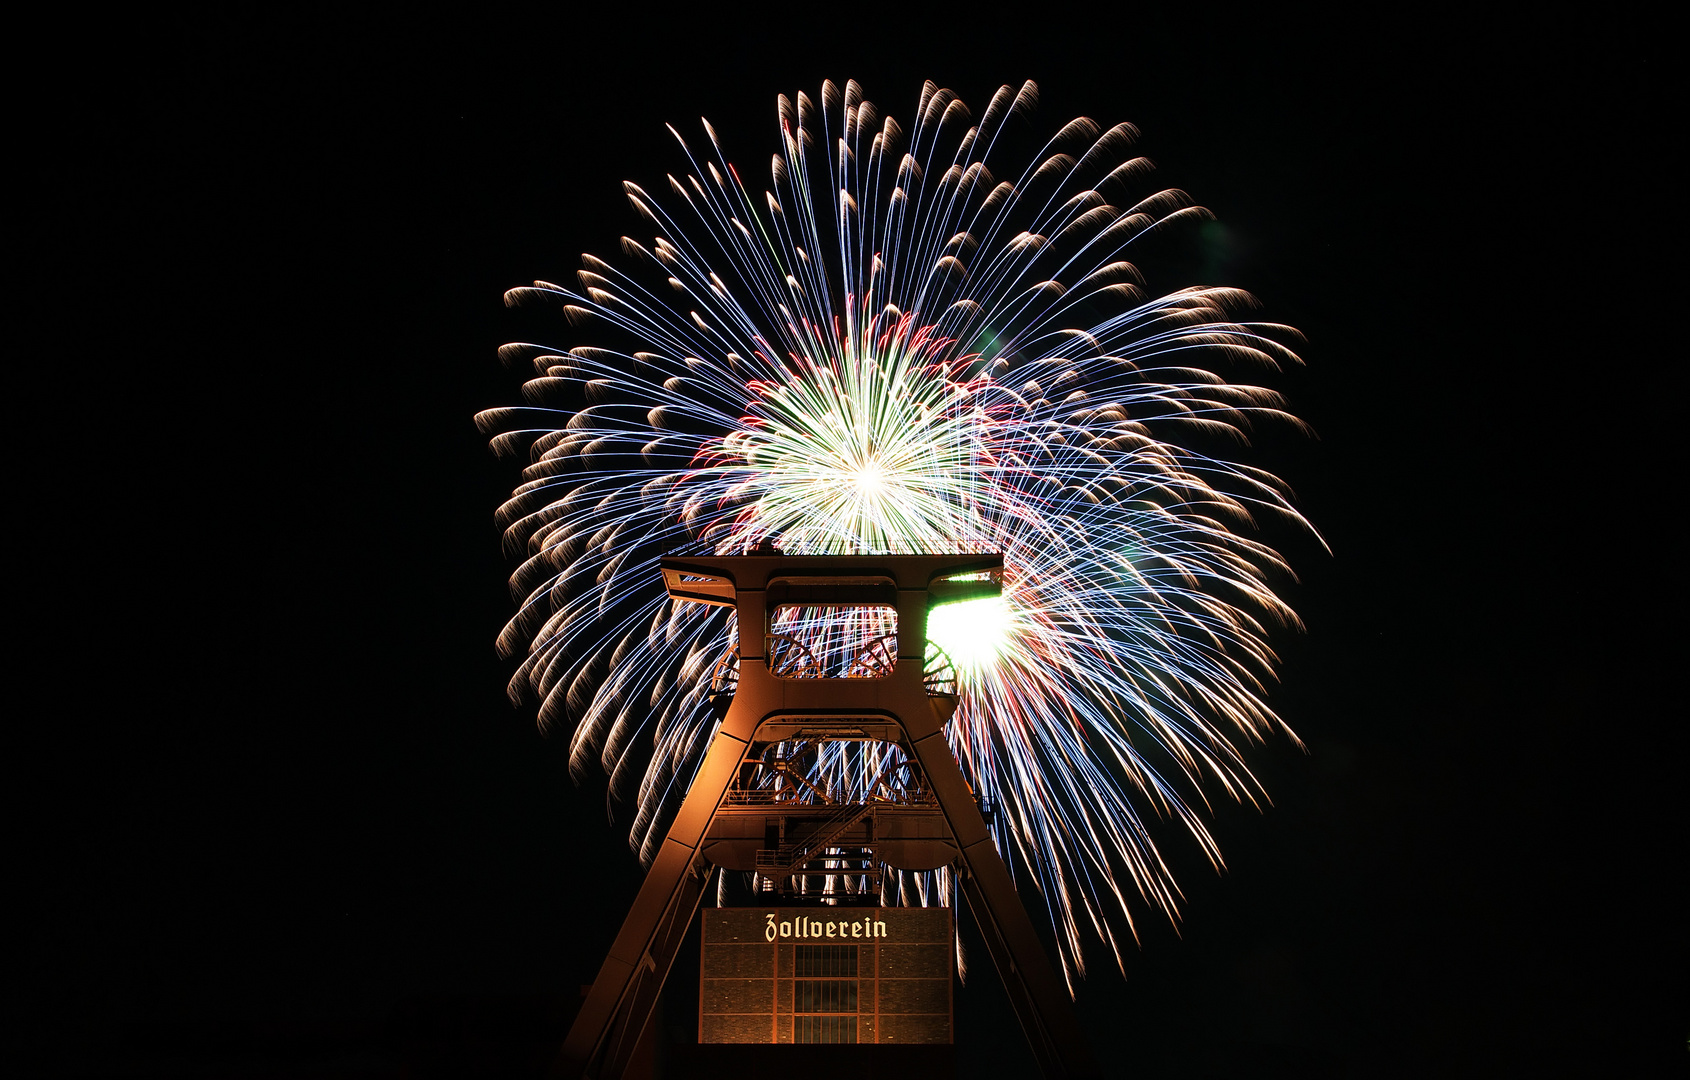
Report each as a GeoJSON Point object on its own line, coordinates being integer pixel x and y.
{"type": "Point", "coordinates": [972, 632]}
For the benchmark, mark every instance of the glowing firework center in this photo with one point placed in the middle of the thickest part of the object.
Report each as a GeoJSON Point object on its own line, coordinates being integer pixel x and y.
{"type": "Point", "coordinates": [879, 453]}
{"type": "Point", "coordinates": [868, 447]}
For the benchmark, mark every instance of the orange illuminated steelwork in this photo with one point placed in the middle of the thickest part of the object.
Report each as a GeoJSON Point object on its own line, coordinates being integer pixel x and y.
{"type": "Point", "coordinates": [776, 691]}
{"type": "Point", "coordinates": [826, 975]}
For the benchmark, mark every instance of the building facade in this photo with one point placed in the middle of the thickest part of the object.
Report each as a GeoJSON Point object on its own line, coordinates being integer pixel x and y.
{"type": "Point", "coordinates": [826, 975]}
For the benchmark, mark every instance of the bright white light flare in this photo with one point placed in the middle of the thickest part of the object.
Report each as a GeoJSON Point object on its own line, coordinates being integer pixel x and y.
{"type": "Point", "coordinates": [973, 633]}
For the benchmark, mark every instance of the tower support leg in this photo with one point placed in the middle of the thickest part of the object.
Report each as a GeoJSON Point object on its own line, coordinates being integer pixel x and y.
{"type": "Point", "coordinates": [611, 1020]}
{"type": "Point", "coordinates": [1040, 1000]}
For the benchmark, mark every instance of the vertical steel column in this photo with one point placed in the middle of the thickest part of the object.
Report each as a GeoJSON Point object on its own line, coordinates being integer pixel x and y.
{"type": "Point", "coordinates": [1040, 1000]}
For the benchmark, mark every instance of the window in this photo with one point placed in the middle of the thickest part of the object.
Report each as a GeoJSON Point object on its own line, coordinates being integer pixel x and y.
{"type": "Point", "coordinates": [824, 1029]}
{"type": "Point", "coordinates": [833, 641]}
{"type": "Point", "coordinates": [825, 961]}
{"type": "Point", "coordinates": [824, 994]}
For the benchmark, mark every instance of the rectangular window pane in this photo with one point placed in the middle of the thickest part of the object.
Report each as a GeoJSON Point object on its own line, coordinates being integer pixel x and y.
{"type": "Point", "coordinates": [824, 1029]}
{"type": "Point", "coordinates": [824, 993]}
{"type": "Point", "coordinates": [825, 961]}
{"type": "Point", "coordinates": [824, 996]}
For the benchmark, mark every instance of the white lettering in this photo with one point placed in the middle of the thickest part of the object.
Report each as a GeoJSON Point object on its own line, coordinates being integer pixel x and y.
{"type": "Point", "coordinates": [775, 928]}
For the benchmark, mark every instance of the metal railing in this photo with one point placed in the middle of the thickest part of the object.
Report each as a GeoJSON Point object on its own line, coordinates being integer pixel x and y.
{"type": "Point", "coordinates": [788, 658]}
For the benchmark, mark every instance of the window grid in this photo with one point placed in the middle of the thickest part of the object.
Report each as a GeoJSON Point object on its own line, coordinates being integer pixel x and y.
{"type": "Point", "coordinates": [824, 996]}
{"type": "Point", "coordinates": [824, 961]}
{"type": "Point", "coordinates": [824, 993]}
{"type": "Point", "coordinates": [824, 1029]}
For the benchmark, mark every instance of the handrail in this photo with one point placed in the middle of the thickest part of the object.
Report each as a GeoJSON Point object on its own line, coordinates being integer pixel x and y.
{"type": "Point", "coordinates": [792, 856]}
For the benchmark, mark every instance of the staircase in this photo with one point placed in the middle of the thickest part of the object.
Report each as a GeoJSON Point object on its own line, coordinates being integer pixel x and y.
{"type": "Point", "coordinates": [789, 857]}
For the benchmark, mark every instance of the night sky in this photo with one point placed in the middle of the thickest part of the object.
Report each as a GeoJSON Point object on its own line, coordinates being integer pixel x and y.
{"type": "Point", "coordinates": [277, 814]}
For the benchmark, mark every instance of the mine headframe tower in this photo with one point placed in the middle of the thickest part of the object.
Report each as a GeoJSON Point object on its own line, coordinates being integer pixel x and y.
{"type": "Point", "coordinates": [748, 808]}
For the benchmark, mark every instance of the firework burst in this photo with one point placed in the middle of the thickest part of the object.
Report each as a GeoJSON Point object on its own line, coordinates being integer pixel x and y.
{"type": "Point", "coordinates": [894, 350]}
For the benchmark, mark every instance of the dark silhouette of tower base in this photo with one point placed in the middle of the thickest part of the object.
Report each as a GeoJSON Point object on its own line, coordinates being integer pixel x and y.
{"type": "Point", "coordinates": [784, 695]}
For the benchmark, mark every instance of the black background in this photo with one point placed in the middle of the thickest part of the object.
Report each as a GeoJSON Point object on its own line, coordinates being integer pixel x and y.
{"type": "Point", "coordinates": [275, 815]}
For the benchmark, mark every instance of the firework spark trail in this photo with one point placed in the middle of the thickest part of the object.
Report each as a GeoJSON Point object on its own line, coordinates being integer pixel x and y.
{"type": "Point", "coordinates": [895, 351]}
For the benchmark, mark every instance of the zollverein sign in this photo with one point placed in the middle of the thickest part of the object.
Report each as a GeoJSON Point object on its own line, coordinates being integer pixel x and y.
{"type": "Point", "coordinates": [826, 975]}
